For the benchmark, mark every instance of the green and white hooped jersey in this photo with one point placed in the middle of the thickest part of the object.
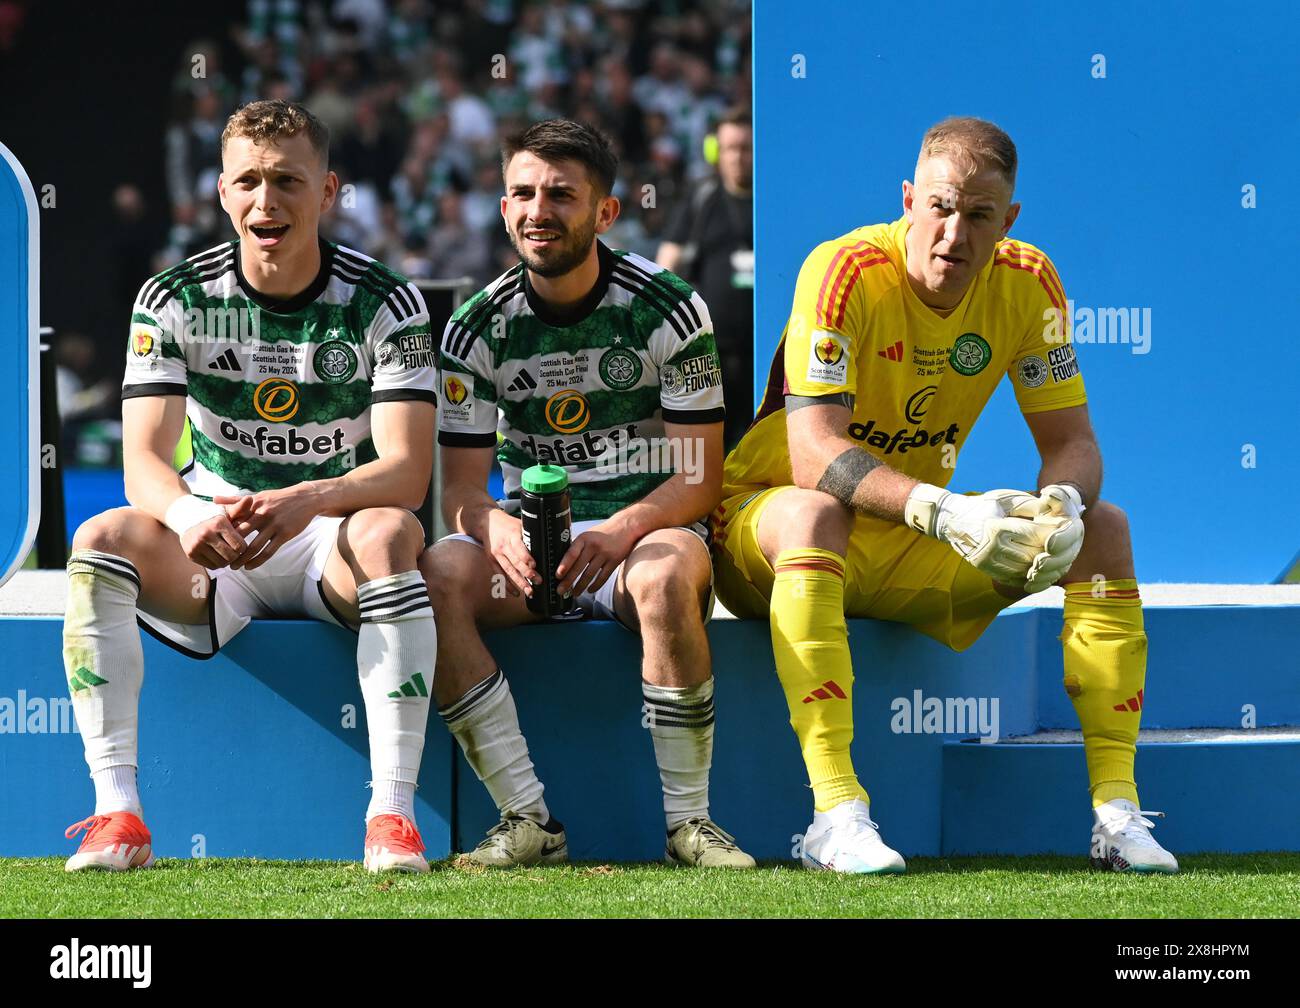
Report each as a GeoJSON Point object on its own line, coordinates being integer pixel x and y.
{"type": "Point", "coordinates": [278, 392]}
{"type": "Point", "coordinates": [590, 391]}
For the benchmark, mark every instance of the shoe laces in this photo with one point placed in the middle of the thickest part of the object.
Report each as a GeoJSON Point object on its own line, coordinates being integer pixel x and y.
{"type": "Point", "coordinates": [92, 825]}
{"type": "Point", "coordinates": [859, 823]}
{"type": "Point", "coordinates": [1135, 827]}
{"type": "Point", "coordinates": [396, 829]}
{"type": "Point", "coordinates": [710, 833]}
{"type": "Point", "coordinates": [504, 829]}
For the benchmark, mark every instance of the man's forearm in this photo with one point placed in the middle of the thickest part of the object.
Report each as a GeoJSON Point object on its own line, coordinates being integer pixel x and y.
{"type": "Point", "coordinates": [466, 509]}
{"type": "Point", "coordinates": [859, 480]}
{"type": "Point", "coordinates": [152, 484]}
{"type": "Point", "coordinates": [1078, 463]}
{"type": "Point", "coordinates": [673, 503]}
{"type": "Point", "coordinates": [392, 481]}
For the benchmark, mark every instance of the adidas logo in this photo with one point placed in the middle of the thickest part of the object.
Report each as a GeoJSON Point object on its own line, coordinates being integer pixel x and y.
{"type": "Point", "coordinates": [827, 690]}
{"type": "Point", "coordinates": [226, 362]}
{"type": "Point", "coordinates": [83, 679]}
{"type": "Point", "coordinates": [412, 687]}
{"type": "Point", "coordinates": [894, 353]}
{"type": "Point", "coordinates": [1133, 705]}
{"type": "Point", "coordinates": [524, 382]}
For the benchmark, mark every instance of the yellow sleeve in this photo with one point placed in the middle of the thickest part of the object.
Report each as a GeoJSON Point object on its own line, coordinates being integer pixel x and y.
{"type": "Point", "coordinates": [1045, 372]}
{"type": "Point", "coordinates": [828, 322]}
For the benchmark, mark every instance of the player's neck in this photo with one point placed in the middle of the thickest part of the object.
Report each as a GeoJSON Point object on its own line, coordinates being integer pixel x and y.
{"type": "Point", "coordinates": [564, 293]}
{"type": "Point", "coordinates": [279, 276]}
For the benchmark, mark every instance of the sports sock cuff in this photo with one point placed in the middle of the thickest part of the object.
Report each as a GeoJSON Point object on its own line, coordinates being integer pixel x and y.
{"type": "Point", "coordinates": [1119, 593]}
{"type": "Point", "coordinates": [809, 561]}
{"type": "Point", "coordinates": [95, 563]}
{"type": "Point", "coordinates": [678, 706]}
{"type": "Point", "coordinates": [476, 698]}
{"type": "Point", "coordinates": [395, 597]}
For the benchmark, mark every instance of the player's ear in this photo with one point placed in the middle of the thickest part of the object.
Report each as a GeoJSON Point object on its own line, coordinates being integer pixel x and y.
{"type": "Point", "coordinates": [607, 213]}
{"type": "Point", "coordinates": [221, 190]}
{"type": "Point", "coordinates": [331, 190]}
{"type": "Point", "coordinates": [909, 194]}
{"type": "Point", "coordinates": [1013, 211]}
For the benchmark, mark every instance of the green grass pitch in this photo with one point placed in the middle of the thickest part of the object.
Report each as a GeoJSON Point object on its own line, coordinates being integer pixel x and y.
{"type": "Point", "coordinates": [1211, 885]}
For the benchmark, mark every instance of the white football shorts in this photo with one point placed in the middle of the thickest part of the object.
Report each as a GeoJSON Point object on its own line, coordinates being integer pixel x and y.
{"type": "Point", "coordinates": [600, 604]}
{"type": "Point", "coordinates": [285, 587]}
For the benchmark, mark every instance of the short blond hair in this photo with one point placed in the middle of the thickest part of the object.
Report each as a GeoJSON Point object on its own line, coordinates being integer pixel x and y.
{"type": "Point", "coordinates": [977, 142]}
{"type": "Point", "coordinates": [272, 119]}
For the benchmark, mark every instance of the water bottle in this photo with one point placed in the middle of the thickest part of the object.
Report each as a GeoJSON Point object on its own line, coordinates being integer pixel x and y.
{"type": "Point", "coordinates": [546, 517]}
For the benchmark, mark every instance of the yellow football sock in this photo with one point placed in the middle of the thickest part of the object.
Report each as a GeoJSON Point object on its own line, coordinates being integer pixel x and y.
{"type": "Point", "coordinates": [811, 643]}
{"type": "Point", "coordinates": [1105, 671]}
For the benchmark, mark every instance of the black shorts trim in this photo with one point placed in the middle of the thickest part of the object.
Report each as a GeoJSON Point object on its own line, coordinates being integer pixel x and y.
{"type": "Point", "coordinates": [320, 588]}
{"type": "Point", "coordinates": [212, 628]}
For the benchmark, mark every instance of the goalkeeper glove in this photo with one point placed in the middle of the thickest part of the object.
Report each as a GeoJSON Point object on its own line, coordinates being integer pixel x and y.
{"type": "Point", "coordinates": [1057, 514]}
{"type": "Point", "coordinates": [983, 529]}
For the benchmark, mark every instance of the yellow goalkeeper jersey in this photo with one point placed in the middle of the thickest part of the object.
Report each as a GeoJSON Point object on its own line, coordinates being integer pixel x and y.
{"type": "Point", "coordinates": [919, 380]}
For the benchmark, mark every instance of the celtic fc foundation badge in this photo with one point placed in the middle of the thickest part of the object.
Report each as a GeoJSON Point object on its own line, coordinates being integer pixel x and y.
{"type": "Point", "coordinates": [335, 362]}
{"type": "Point", "coordinates": [620, 369]}
{"type": "Point", "coordinates": [970, 354]}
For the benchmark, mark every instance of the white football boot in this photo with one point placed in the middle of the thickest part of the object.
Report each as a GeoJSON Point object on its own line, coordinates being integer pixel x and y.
{"type": "Point", "coordinates": [846, 840]}
{"type": "Point", "coordinates": [1122, 841]}
{"type": "Point", "coordinates": [516, 842]}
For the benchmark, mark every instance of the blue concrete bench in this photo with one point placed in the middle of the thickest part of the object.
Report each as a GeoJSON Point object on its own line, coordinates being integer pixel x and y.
{"type": "Point", "coordinates": [262, 750]}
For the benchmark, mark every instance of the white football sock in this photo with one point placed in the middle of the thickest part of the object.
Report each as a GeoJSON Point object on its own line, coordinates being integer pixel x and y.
{"type": "Point", "coordinates": [116, 791]}
{"type": "Point", "coordinates": [390, 797]}
{"type": "Point", "coordinates": [486, 724]}
{"type": "Point", "coordinates": [680, 720]}
{"type": "Point", "coordinates": [102, 658]}
{"type": "Point", "coordinates": [396, 645]}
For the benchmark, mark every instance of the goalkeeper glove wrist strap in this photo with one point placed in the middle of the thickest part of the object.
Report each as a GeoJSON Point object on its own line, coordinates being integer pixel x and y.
{"type": "Point", "coordinates": [921, 512]}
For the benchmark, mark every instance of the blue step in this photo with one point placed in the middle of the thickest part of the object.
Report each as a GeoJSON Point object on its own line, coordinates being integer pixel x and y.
{"type": "Point", "coordinates": [1235, 793]}
{"type": "Point", "coordinates": [1204, 665]}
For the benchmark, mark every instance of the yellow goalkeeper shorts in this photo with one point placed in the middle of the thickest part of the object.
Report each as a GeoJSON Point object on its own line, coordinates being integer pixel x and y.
{"type": "Point", "coordinates": [890, 573]}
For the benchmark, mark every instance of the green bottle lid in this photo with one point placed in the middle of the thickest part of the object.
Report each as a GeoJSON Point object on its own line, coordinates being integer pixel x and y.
{"type": "Point", "coordinates": [544, 479]}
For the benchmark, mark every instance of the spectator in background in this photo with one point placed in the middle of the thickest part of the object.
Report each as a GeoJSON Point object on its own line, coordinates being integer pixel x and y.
{"type": "Point", "coordinates": [455, 249]}
{"type": "Point", "coordinates": [709, 242]}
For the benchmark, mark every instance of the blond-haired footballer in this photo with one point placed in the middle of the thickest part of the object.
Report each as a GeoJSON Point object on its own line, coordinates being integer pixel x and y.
{"type": "Point", "coordinates": [898, 336]}
{"type": "Point", "coordinates": [311, 411]}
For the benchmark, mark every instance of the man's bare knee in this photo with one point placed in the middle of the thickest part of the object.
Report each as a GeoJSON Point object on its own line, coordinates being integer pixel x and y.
{"type": "Point", "coordinates": [667, 588]}
{"type": "Point", "coordinates": [804, 519]}
{"type": "Point", "coordinates": [456, 573]}
{"type": "Point", "coordinates": [381, 537]}
{"type": "Point", "coordinates": [123, 532]}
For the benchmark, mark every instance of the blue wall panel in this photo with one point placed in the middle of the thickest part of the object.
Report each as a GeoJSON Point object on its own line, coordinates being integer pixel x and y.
{"type": "Point", "coordinates": [1132, 184]}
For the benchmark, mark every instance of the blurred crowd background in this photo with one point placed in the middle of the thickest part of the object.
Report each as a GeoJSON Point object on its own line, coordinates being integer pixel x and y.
{"type": "Point", "coordinates": [417, 95]}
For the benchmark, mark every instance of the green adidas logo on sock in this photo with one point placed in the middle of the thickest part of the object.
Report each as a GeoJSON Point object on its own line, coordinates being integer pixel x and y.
{"type": "Point", "coordinates": [83, 679]}
{"type": "Point", "coordinates": [412, 687]}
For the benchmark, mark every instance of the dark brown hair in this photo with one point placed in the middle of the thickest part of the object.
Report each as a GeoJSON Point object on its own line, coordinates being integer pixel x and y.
{"type": "Point", "coordinates": [566, 140]}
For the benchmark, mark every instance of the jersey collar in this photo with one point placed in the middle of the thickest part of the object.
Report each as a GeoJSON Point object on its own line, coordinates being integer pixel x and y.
{"type": "Point", "coordinates": [587, 305]}
{"type": "Point", "coordinates": [287, 306]}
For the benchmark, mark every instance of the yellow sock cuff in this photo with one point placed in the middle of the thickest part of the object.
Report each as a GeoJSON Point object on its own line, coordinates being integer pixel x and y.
{"type": "Point", "coordinates": [1109, 594]}
{"type": "Point", "coordinates": [809, 561]}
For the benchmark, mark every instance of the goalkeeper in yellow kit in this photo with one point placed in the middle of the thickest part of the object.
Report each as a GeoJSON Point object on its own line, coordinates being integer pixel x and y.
{"type": "Point", "coordinates": [833, 502]}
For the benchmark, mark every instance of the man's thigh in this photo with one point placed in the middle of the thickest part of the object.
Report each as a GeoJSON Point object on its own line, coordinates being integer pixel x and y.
{"type": "Point", "coordinates": [459, 569]}
{"type": "Point", "coordinates": [890, 573]}
{"type": "Point", "coordinates": [172, 586]}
